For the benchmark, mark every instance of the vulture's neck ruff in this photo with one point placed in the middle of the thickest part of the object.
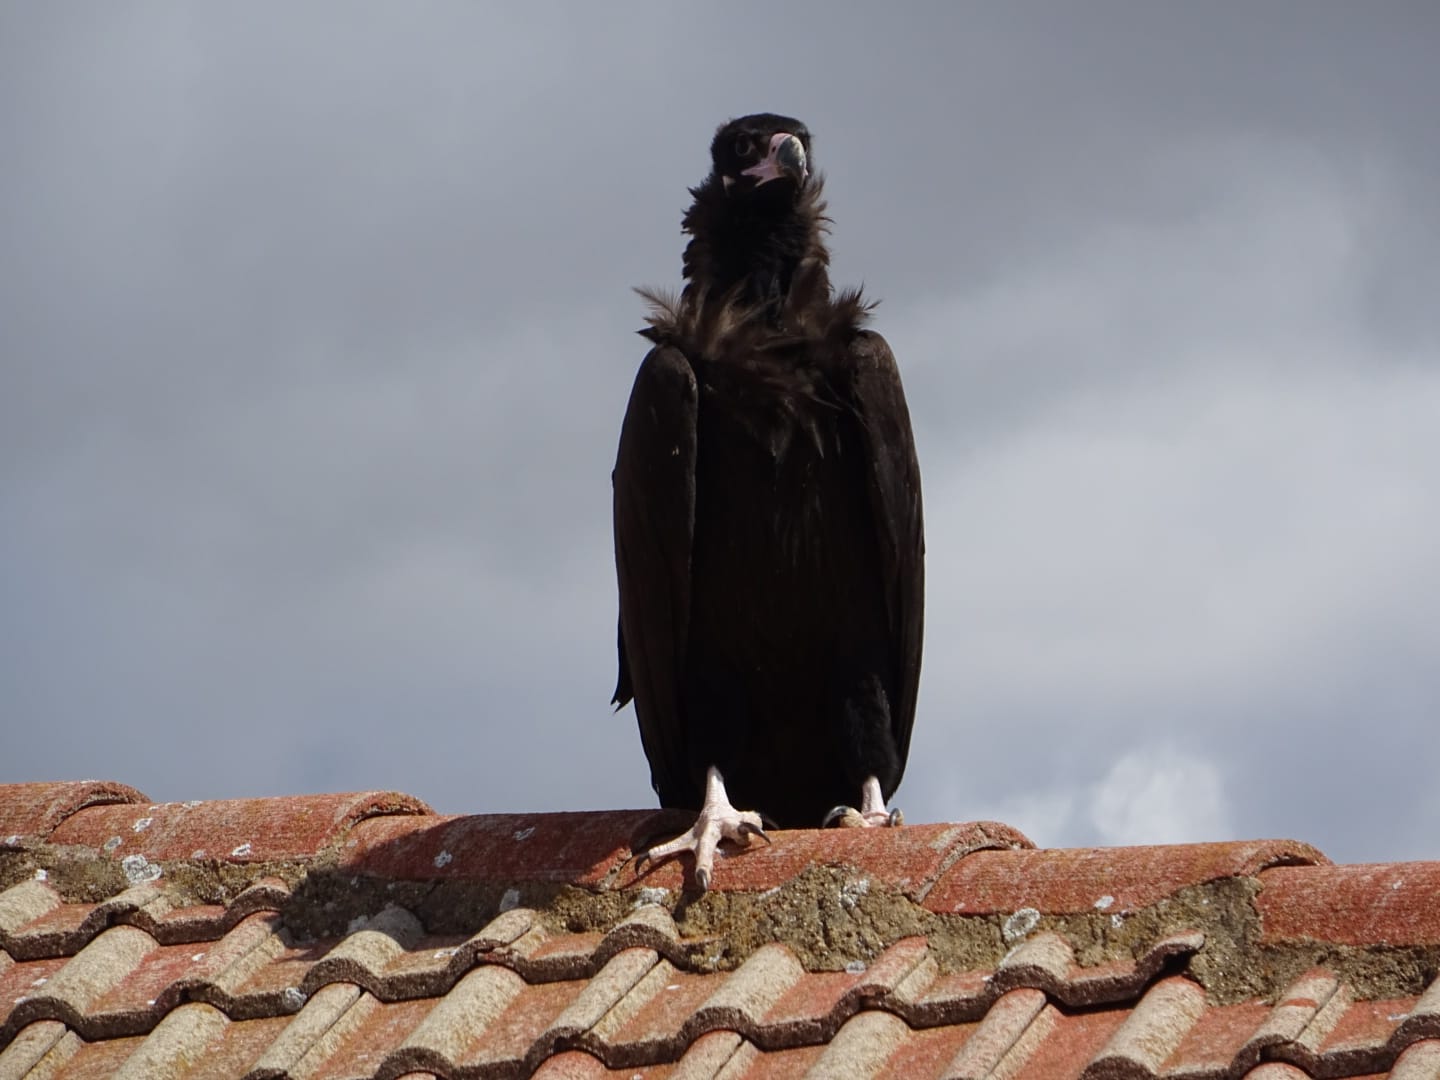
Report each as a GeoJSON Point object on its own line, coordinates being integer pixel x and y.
{"type": "Point", "coordinates": [749, 247]}
{"type": "Point", "coordinates": [756, 276]}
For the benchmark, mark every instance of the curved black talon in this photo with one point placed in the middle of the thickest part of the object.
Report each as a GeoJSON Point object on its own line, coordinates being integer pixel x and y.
{"type": "Point", "coordinates": [747, 830]}
{"type": "Point", "coordinates": [836, 814]}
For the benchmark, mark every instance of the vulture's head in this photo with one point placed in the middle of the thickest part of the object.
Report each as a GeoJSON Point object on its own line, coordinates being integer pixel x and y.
{"type": "Point", "coordinates": [762, 158]}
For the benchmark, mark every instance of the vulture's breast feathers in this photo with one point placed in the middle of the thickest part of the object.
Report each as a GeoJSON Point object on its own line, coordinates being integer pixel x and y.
{"type": "Point", "coordinates": [775, 376]}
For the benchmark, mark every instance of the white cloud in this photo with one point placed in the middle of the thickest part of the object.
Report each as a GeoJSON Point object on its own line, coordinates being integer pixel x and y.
{"type": "Point", "coordinates": [1160, 796]}
{"type": "Point", "coordinates": [1046, 817]}
{"type": "Point", "coordinates": [1150, 795]}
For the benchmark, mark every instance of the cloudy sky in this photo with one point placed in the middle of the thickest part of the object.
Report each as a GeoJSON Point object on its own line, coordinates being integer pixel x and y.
{"type": "Point", "coordinates": [316, 332]}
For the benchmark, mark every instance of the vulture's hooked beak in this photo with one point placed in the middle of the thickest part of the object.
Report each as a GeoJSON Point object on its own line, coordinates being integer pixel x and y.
{"type": "Point", "coordinates": [786, 158]}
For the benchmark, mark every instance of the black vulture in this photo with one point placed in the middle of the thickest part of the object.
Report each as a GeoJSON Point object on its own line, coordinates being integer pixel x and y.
{"type": "Point", "coordinates": [768, 534]}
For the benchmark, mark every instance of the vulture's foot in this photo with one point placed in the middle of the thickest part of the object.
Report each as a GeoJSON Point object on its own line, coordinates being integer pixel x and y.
{"type": "Point", "coordinates": [718, 821]}
{"type": "Point", "coordinates": [872, 813]}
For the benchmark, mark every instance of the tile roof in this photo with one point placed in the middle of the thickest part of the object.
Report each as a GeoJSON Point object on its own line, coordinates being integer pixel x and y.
{"type": "Point", "coordinates": [336, 937]}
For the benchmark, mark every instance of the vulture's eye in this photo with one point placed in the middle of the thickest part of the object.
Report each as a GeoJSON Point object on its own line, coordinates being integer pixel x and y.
{"type": "Point", "coordinates": [743, 145]}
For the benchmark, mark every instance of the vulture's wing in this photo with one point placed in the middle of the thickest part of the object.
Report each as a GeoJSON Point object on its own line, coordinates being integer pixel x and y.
{"type": "Point", "coordinates": [894, 485]}
{"type": "Point", "coordinates": [654, 482]}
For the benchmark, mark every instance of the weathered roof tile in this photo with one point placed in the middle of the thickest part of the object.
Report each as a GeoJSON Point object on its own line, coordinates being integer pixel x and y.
{"type": "Point", "coordinates": [1363, 1034]}
{"type": "Point", "coordinates": [742, 1000]}
{"type": "Point", "coordinates": [861, 1047]}
{"type": "Point", "coordinates": [23, 904]}
{"type": "Point", "coordinates": [649, 1021]}
{"type": "Point", "coordinates": [85, 992]}
{"type": "Point", "coordinates": [459, 1019]}
{"type": "Point", "coordinates": [707, 1056]}
{"type": "Point", "coordinates": [1419, 1062]}
{"type": "Point", "coordinates": [167, 1053]}
{"type": "Point", "coordinates": [1387, 904]}
{"type": "Point", "coordinates": [1152, 1031]}
{"type": "Point", "coordinates": [251, 831]}
{"type": "Point", "coordinates": [1044, 959]}
{"type": "Point", "coordinates": [503, 849]}
{"type": "Point", "coordinates": [340, 945]}
{"type": "Point", "coordinates": [998, 1035]}
{"type": "Point", "coordinates": [927, 997]}
{"type": "Point", "coordinates": [369, 1032]}
{"type": "Point", "coordinates": [1297, 1009]}
{"type": "Point", "coordinates": [365, 954]}
{"type": "Point", "coordinates": [1218, 1040]}
{"type": "Point", "coordinates": [1275, 1070]}
{"type": "Point", "coordinates": [1109, 880]}
{"type": "Point", "coordinates": [75, 1059]}
{"type": "Point", "coordinates": [599, 996]}
{"type": "Point", "coordinates": [1423, 1022]}
{"type": "Point", "coordinates": [320, 1014]}
{"type": "Point", "coordinates": [1071, 1043]}
{"type": "Point", "coordinates": [223, 968]}
{"type": "Point", "coordinates": [30, 812]}
{"type": "Point", "coordinates": [909, 860]}
{"type": "Point", "coordinates": [33, 1042]}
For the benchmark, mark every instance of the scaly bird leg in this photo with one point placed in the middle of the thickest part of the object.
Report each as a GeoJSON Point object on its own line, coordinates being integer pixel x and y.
{"type": "Point", "coordinates": [718, 821]}
{"type": "Point", "coordinates": [872, 812]}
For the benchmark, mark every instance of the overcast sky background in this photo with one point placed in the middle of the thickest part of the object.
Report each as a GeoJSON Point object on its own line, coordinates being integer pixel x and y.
{"type": "Point", "coordinates": [316, 333]}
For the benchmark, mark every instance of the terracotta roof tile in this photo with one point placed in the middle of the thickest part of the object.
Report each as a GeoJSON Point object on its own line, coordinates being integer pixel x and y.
{"type": "Point", "coordinates": [576, 1065]}
{"type": "Point", "coordinates": [999, 1036]}
{"type": "Point", "coordinates": [1152, 1031]}
{"type": "Point", "coordinates": [35, 922]}
{"type": "Point", "coordinates": [24, 904]}
{"type": "Point", "coordinates": [29, 1047]}
{"type": "Point", "coordinates": [30, 812]}
{"type": "Point", "coordinates": [170, 1047]}
{"type": "Point", "coordinates": [1424, 1019]}
{"type": "Point", "coordinates": [85, 992]}
{"type": "Point", "coordinates": [239, 1047]}
{"type": "Point", "coordinates": [1419, 1062]}
{"type": "Point", "coordinates": [1070, 1043]}
{"type": "Point", "coordinates": [367, 1034]}
{"type": "Point", "coordinates": [599, 996]}
{"type": "Point", "coordinates": [1389, 904]}
{"type": "Point", "coordinates": [908, 860]}
{"type": "Point", "coordinates": [749, 1062]}
{"type": "Point", "coordinates": [1363, 1032]}
{"type": "Point", "coordinates": [18, 982]}
{"type": "Point", "coordinates": [741, 1001]}
{"type": "Point", "coordinates": [504, 849]}
{"type": "Point", "coordinates": [228, 830]}
{"type": "Point", "coordinates": [1275, 1071]}
{"type": "Point", "coordinates": [1217, 1041]}
{"type": "Point", "coordinates": [74, 1059]}
{"type": "Point", "coordinates": [1303, 1006]}
{"type": "Point", "coordinates": [362, 936]}
{"type": "Point", "coordinates": [592, 849]}
{"type": "Point", "coordinates": [862, 1046]}
{"type": "Point", "coordinates": [707, 1056]}
{"type": "Point", "coordinates": [319, 1017]}
{"type": "Point", "coordinates": [647, 1024]}
{"type": "Point", "coordinates": [1107, 880]}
